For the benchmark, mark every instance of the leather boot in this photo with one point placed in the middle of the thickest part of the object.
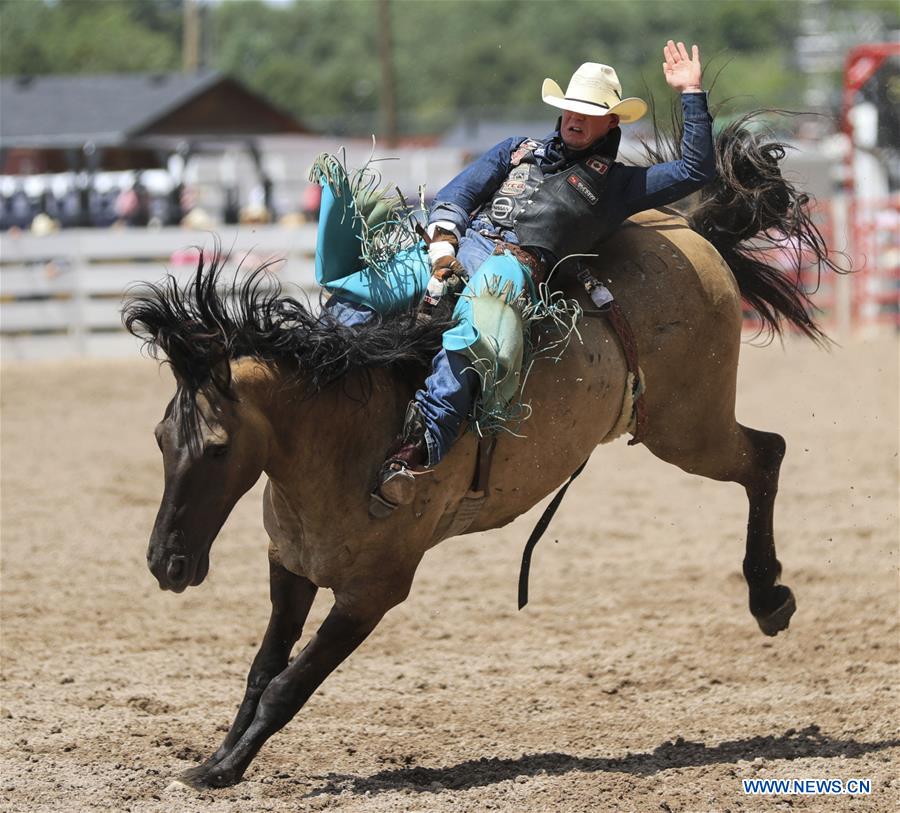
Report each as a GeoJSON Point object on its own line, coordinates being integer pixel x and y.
{"type": "Point", "coordinates": [397, 476]}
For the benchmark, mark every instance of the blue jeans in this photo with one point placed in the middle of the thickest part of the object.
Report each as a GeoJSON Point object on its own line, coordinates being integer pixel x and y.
{"type": "Point", "coordinates": [449, 392]}
{"type": "Point", "coordinates": [446, 400]}
{"type": "Point", "coordinates": [475, 248]}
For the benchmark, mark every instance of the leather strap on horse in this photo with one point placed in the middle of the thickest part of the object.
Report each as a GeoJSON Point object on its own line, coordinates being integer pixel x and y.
{"type": "Point", "coordinates": [483, 464]}
{"type": "Point", "coordinates": [538, 532]}
{"type": "Point", "coordinates": [470, 505]}
{"type": "Point", "coordinates": [622, 327]}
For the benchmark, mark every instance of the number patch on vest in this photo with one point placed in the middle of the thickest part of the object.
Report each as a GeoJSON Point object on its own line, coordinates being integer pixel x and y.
{"type": "Point", "coordinates": [583, 189]}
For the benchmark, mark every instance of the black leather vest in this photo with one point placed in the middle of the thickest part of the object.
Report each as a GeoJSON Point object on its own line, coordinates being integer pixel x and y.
{"type": "Point", "coordinates": [560, 212]}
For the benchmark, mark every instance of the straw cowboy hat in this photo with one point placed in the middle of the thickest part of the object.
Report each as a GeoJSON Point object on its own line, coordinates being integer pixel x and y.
{"type": "Point", "coordinates": [594, 90]}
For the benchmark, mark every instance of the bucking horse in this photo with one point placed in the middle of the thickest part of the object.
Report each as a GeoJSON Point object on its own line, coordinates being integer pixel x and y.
{"type": "Point", "coordinates": [268, 384]}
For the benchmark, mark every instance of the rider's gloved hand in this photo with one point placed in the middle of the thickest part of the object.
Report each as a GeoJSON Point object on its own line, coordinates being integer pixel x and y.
{"type": "Point", "coordinates": [438, 249]}
{"type": "Point", "coordinates": [445, 266]}
{"type": "Point", "coordinates": [442, 251]}
{"type": "Point", "coordinates": [447, 273]}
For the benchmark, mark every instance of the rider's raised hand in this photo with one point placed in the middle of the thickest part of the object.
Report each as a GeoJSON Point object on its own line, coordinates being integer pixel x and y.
{"type": "Point", "coordinates": [682, 71]}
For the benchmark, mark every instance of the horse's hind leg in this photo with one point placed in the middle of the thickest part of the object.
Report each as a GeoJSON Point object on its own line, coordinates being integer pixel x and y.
{"type": "Point", "coordinates": [772, 604]}
{"type": "Point", "coordinates": [752, 458]}
{"type": "Point", "coordinates": [291, 596]}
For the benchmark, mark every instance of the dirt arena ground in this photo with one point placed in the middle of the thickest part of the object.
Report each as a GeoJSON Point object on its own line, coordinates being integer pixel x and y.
{"type": "Point", "coordinates": [636, 680]}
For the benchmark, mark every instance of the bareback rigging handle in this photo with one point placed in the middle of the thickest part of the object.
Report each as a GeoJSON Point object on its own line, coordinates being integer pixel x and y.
{"type": "Point", "coordinates": [538, 532]}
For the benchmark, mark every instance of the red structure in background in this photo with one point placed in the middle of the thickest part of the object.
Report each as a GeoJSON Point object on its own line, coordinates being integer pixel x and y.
{"type": "Point", "coordinates": [871, 295]}
{"type": "Point", "coordinates": [866, 229]}
{"type": "Point", "coordinates": [862, 64]}
{"type": "Point", "coordinates": [874, 226]}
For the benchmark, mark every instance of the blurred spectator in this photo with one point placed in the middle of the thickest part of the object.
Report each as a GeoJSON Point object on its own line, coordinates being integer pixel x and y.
{"type": "Point", "coordinates": [21, 210]}
{"type": "Point", "coordinates": [198, 218]}
{"type": "Point", "coordinates": [126, 205]}
{"type": "Point", "coordinates": [232, 209]}
{"type": "Point", "coordinates": [49, 205]}
{"type": "Point", "coordinates": [43, 225]}
{"type": "Point", "coordinates": [69, 209]}
{"type": "Point", "coordinates": [254, 213]}
{"type": "Point", "coordinates": [311, 202]}
{"type": "Point", "coordinates": [181, 200]}
{"type": "Point", "coordinates": [101, 207]}
{"type": "Point", "coordinates": [132, 206]}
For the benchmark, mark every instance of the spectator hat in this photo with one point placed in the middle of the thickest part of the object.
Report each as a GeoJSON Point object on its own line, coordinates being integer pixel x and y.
{"type": "Point", "coordinates": [594, 90]}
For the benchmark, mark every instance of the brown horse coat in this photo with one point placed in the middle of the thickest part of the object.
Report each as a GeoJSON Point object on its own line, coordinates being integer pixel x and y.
{"type": "Point", "coordinates": [684, 307]}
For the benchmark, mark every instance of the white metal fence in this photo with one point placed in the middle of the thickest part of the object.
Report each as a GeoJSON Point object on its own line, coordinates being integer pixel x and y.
{"type": "Point", "coordinates": [61, 294]}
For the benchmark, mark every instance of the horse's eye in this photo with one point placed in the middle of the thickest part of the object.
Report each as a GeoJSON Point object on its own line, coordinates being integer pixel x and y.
{"type": "Point", "coordinates": [216, 450]}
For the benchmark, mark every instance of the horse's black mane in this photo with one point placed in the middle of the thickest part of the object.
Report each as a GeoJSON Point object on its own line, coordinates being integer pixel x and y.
{"type": "Point", "coordinates": [750, 211]}
{"type": "Point", "coordinates": [198, 328]}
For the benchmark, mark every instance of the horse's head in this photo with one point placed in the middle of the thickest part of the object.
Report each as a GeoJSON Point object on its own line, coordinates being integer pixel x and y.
{"type": "Point", "coordinates": [214, 449]}
{"type": "Point", "coordinates": [216, 436]}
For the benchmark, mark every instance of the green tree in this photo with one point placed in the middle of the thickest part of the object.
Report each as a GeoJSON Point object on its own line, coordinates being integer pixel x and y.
{"type": "Point", "coordinates": [318, 59]}
{"type": "Point", "coordinates": [84, 36]}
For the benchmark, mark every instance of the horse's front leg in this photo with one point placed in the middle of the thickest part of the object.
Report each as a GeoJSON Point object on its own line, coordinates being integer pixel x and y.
{"type": "Point", "coordinates": [345, 628]}
{"type": "Point", "coordinates": [292, 596]}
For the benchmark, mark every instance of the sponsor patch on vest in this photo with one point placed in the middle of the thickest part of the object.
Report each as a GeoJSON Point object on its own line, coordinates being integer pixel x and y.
{"type": "Point", "coordinates": [527, 146]}
{"type": "Point", "coordinates": [513, 187]}
{"type": "Point", "coordinates": [583, 189]}
{"type": "Point", "coordinates": [501, 207]}
{"type": "Point", "coordinates": [597, 165]}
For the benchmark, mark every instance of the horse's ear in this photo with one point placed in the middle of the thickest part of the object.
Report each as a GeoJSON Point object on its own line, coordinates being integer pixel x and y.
{"type": "Point", "coordinates": [220, 375]}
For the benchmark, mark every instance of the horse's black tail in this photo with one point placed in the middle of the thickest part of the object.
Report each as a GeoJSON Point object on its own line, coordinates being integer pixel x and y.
{"type": "Point", "coordinates": [761, 225]}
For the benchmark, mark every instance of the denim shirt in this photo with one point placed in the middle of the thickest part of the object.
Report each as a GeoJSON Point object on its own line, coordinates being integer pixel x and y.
{"type": "Point", "coordinates": [628, 190]}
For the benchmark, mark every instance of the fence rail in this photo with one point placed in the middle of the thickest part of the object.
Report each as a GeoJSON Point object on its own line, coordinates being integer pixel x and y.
{"type": "Point", "coordinates": [61, 294]}
{"type": "Point", "coordinates": [867, 234]}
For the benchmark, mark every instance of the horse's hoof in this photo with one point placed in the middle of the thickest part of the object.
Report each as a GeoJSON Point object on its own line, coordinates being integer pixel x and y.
{"type": "Point", "coordinates": [774, 622]}
{"type": "Point", "coordinates": [205, 777]}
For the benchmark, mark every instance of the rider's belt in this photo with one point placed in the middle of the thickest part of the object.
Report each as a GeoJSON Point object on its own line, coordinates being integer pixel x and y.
{"type": "Point", "coordinates": [530, 260]}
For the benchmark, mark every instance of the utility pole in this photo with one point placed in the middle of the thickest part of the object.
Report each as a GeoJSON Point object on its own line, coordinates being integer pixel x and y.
{"type": "Point", "coordinates": [386, 56]}
{"type": "Point", "coordinates": [190, 41]}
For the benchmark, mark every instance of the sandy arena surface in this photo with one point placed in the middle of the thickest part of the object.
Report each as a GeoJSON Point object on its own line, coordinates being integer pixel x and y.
{"type": "Point", "coordinates": [636, 679]}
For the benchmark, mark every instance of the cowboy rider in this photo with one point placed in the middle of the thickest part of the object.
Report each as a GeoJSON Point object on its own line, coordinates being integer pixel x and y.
{"type": "Point", "coordinates": [540, 201]}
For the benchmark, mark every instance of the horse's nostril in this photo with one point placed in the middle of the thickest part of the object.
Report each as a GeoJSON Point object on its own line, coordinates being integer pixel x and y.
{"type": "Point", "coordinates": [176, 567]}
